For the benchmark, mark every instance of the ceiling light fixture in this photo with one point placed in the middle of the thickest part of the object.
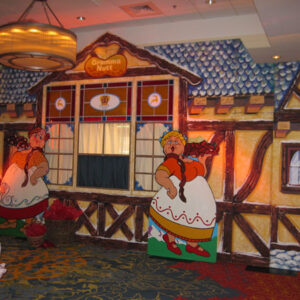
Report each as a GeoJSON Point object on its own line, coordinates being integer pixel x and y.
{"type": "Point", "coordinates": [80, 18]}
{"type": "Point", "coordinates": [276, 57]}
{"type": "Point", "coordinates": [210, 2]}
{"type": "Point", "coordinates": [37, 46]}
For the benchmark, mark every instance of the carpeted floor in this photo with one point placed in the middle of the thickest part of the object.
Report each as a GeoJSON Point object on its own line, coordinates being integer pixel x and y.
{"type": "Point", "coordinates": [87, 271]}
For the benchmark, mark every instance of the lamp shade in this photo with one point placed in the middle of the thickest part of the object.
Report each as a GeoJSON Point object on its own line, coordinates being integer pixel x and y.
{"type": "Point", "coordinates": [35, 46]}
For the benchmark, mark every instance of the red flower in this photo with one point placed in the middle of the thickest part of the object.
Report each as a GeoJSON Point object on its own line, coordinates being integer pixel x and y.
{"type": "Point", "coordinates": [35, 229]}
{"type": "Point", "coordinates": [59, 211]}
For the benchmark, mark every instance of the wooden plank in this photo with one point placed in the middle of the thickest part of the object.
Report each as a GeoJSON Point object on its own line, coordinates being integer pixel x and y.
{"type": "Point", "coordinates": [115, 244]}
{"type": "Point", "coordinates": [182, 106]}
{"type": "Point", "coordinates": [256, 168]}
{"type": "Point", "coordinates": [253, 237]}
{"type": "Point", "coordinates": [227, 233]}
{"type": "Point", "coordinates": [229, 166]}
{"type": "Point", "coordinates": [285, 247]}
{"type": "Point", "coordinates": [230, 125]}
{"type": "Point", "coordinates": [145, 237]}
{"type": "Point", "coordinates": [101, 219]}
{"type": "Point", "coordinates": [252, 208]}
{"type": "Point", "coordinates": [274, 225]}
{"type": "Point", "coordinates": [139, 223]}
{"type": "Point", "coordinates": [119, 222]}
{"type": "Point", "coordinates": [290, 227]}
{"type": "Point", "coordinates": [287, 115]}
{"type": "Point", "coordinates": [84, 218]}
{"type": "Point", "coordinates": [289, 210]}
{"type": "Point", "coordinates": [12, 127]}
{"type": "Point", "coordinates": [146, 210]}
{"type": "Point", "coordinates": [99, 197]}
{"type": "Point", "coordinates": [217, 139]}
{"type": "Point", "coordinates": [244, 259]}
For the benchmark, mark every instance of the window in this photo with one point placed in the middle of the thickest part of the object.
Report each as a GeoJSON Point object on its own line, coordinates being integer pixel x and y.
{"type": "Point", "coordinates": [149, 154]}
{"type": "Point", "coordinates": [60, 107]}
{"type": "Point", "coordinates": [104, 135]}
{"type": "Point", "coordinates": [59, 153]}
{"type": "Point", "coordinates": [97, 152]}
{"type": "Point", "coordinates": [103, 156]}
{"type": "Point", "coordinates": [291, 167]}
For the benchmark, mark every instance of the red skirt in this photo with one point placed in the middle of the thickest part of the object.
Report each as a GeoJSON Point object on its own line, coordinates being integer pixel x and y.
{"type": "Point", "coordinates": [24, 213]}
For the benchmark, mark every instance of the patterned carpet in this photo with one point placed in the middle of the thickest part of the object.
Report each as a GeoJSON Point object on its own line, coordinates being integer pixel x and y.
{"type": "Point", "coordinates": [81, 271]}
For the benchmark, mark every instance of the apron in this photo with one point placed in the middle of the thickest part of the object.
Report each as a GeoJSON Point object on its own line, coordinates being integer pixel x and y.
{"type": "Point", "coordinates": [190, 221]}
{"type": "Point", "coordinates": [17, 197]}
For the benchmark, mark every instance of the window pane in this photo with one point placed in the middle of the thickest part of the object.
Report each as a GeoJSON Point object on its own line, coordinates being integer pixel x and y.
{"type": "Point", "coordinates": [66, 130]}
{"type": "Point", "coordinates": [53, 130]}
{"type": "Point", "coordinates": [143, 182]}
{"type": "Point", "coordinates": [160, 129]}
{"type": "Point", "coordinates": [91, 138]}
{"type": "Point", "coordinates": [51, 146]}
{"type": "Point", "coordinates": [51, 177]}
{"type": "Point", "coordinates": [158, 149]}
{"type": "Point", "coordinates": [144, 131]}
{"type": "Point", "coordinates": [65, 161]}
{"type": "Point", "coordinates": [143, 165]}
{"type": "Point", "coordinates": [144, 147]}
{"type": "Point", "coordinates": [116, 138]}
{"type": "Point", "coordinates": [65, 177]}
{"type": "Point", "coordinates": [52, 160]}
{"type": "Point", "coordinates": [66, 146]}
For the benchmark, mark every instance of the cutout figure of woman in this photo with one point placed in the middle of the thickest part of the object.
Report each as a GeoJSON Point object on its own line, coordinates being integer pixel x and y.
{"type": "Point", "coordinates": [185, 206]}
{"type": "Point", "coordinates": [23, 193]}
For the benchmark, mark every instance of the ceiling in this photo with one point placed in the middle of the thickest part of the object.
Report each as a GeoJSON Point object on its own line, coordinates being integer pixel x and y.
{"type": "Point", "coordinates": [266, 27]}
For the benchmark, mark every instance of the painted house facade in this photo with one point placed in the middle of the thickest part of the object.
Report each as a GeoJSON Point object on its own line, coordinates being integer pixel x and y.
{"type": "Point", "coordinates": [111, 109]}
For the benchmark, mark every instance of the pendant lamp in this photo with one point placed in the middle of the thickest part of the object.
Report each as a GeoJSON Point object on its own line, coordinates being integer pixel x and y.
{"type": "Point", "coordinates": [37, 46]}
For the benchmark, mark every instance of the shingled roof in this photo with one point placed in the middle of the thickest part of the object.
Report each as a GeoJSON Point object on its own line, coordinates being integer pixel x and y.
{"type": "Point", "coordinates": [14, 84]}
{"type": "Point", "coordinates": [228, 69]}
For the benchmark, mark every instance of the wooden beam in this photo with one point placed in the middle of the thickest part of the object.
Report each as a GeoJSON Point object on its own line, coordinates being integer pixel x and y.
{"type": "Point", "coordinates": [274, 225]}
{"type": "Point", "coordinates": [119, 222]}
{"type": "Point", "coordinates": [252, 208]}
{"type": "Point", "coordinates": [256, 167]}
{"type": "Point", "coordinates": [101, 219]}
{"type": "Point", "coordinates": [229, 166]}
{"type": "Point", "coordinates": [282, 129]}
{"type": "Point", "coordinates": [28, 110]}
{"type": "Point", "coordinates": [253, 237]}
{"type": "Point", "coordinates": [110, 243]}
{"type": "Point", "coordinates": [224, 105]}
{"type": "Point", "coordinates": [244, 259]}
{"type": "Point", "coordinates": [84, 218]}
{"type": "Point", "coordinates": [254, 104]}
{"type": "Point", "coordinates": [138, 223]}
{"type": "Point", "coordinates": [290, 227]}
{"type": "Point", "coordinates": [285, 247]}
{"type": "Point", "coordinates": [198, 105]}
{"type": "Point", "coordinates": [229, 125]}
{"type": "Point", "coordinates": [182, 106]}
{"type": "Point", "coordinates": [11, 110]}
{"type": "Point", "coordinates": [227, 232]}
{"type": "Point", "coordinates": [99, 197]}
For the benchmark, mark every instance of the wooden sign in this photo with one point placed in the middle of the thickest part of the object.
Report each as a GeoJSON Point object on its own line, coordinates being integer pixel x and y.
{"type": "Point", "coordinates": [114, 66]}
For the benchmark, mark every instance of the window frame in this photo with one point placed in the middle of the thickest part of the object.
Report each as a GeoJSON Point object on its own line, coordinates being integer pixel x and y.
{"type": "Point", "coordinates": [287, 149]}
{"type": "Point", "coordinates": [133, 122]}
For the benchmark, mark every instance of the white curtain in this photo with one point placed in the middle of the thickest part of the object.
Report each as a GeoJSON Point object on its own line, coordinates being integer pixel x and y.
{"type": "Point", "coordinates": [91, 138]}
{"type": "Point", "coordinates": [112, 137]}
{"type": "Point", "coordinates": [116, 138]}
